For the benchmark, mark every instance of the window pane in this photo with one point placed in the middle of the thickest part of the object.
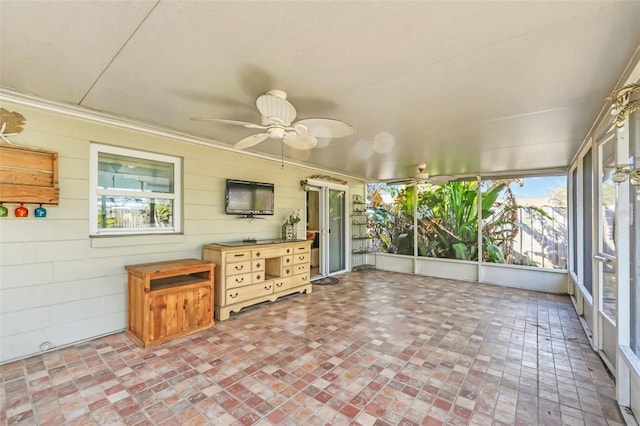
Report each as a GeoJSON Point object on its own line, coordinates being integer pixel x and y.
{"type": "Point", "coordinates": [120, 213]}
{"type": "Point", "coordinates": [574, 219]}
{"type": "Point", "coordinates": [391, 217]}
{"type": "Point", "coordinates": [606, 229]}
{"type": "Point", "coordinates": [587, 221]}
{"type": "Point", "coordinates": [120, 172]}
{"type": "Point", "coordinates": [525, 221]}
{"type": "Point", "coordinates": [448, 220]}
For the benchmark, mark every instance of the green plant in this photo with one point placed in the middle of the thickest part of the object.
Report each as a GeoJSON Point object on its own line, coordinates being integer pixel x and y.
{"type": "Point", "coordinates": [447, 219]}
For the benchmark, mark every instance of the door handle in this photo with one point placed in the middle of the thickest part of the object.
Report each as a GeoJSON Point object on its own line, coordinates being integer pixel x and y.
{"type": "Point", "coordinates": [601, 258]}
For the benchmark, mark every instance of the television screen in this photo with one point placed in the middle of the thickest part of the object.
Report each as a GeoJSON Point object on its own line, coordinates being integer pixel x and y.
{"type": "Point", "coordinates": [249, 198]}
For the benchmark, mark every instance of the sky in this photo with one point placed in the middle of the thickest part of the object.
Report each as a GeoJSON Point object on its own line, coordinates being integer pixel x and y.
{"type": "Point", "coordinates": [536, 187]}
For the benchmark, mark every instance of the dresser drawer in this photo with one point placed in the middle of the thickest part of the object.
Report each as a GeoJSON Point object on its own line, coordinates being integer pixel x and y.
{"type": "Point", "coordinates": [287, 271]}
{"type": "Point", "coordinates": [257, 277]}
{"type": "Point", "coordinates": [238, 256]}
{"type": "Point", "coordinates": [301, 248]}
{"type": "Point", "coordinates": [240, 294]}
{"type": "Point", "coordinates": [238, 280]}
{"type": "Point", "coordinates": [257, 265]}
{"type": "Point", "coordinates": [291, 282]}
{"type": "Point", "coordinates": [270, 253]}
{"type": "Point", "coordinates": [301, 268]}
{"type": "Point", "coordinates": [236, 268]}
{"type": "Point", "coordinates": [301, 258]}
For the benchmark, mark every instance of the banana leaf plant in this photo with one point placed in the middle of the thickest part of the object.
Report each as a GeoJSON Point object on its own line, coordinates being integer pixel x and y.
{"type": "Point", "coordinates": [447, 220]}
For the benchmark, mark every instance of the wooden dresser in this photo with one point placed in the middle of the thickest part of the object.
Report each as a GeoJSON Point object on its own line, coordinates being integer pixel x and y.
{"type": "Point", "coordinates": [250, 273]}
{"type": "Point", "coordinates": [169, 299]}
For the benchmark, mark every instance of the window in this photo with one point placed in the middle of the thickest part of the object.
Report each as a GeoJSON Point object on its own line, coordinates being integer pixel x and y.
{"type": "Point", "coordinates": [448, 220]}
{"type": "Point", "coordinates": [134, 192]}
{"type": "Point", "coordinates": [525, 221]}
{"type": "Point", "coordinates": [574, 220]}
{"type": "Point", "coordinates": [391, 217]}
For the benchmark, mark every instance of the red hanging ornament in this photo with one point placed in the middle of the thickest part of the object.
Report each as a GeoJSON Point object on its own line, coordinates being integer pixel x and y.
{"type": "Point", "coordinates": [21, 211]}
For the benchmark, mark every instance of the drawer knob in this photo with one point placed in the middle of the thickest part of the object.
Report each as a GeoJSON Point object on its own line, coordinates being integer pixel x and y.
{"type": "Point", "coordinates": [238, 255]}
{"type": "Point", "coordinates": [278, 284]}
{"type": "Point", "coordinates": [288, 260]}
{"type": "Point", "coordinates": [258, 265]}
{"type": "Point", "coordinates": [286, 271]}
{"type": "Point", "coordinates": [288, 251]}
{"type": "Point", "coordinates": [300, 257]}
{"type": "Point", "coordinates": [257, 254]}
{"type": "Point", "coordinates": [233, 296]}
{"type": "Point", "coordinates": [258, 276]}
{"type": "Point", "coordinates": [239, 268]}
{"type": "Point", "coordinates": [239, 280]}
{"type": "Point", "coordinates": [267, 287]}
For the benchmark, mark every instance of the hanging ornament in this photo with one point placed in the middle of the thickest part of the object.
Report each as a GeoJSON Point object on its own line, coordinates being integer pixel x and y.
{"type": "Point", "coordinates": [40, 211]}
{"type": "Point", "coordinates": [3, 211]}
{"type": "Point", "coordinates": [21, 211]}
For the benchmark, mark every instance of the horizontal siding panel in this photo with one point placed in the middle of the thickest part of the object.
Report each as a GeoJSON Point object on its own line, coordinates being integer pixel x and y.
{"type": "Point", "coordinates": [25, 275]}
{"type": "Point", "coordinates": [24, 321]}
{"type": "Point", "coordinates": [33, 229]}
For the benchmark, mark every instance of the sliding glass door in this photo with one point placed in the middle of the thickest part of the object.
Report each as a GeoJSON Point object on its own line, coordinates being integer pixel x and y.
{"type": "Point", "coordinates": [326, 226]}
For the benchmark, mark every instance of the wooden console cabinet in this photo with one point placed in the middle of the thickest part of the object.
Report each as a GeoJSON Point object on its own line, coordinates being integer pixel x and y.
{"type": "Point", "coordinates": [169, 299]}
{"type": "Point", "coordinates": [252, 273]}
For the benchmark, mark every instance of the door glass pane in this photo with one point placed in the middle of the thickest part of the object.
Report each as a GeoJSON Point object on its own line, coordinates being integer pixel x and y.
{"type": "Point", "coordinates": [634, 234]}
{"type": "Point", "coordinates": [313, 229]}
{"type": "Point", "coordinates": [606, 243]}
{"type": "Point", "coordinates": [336, 230]}
{"type": "Point", "coordinates": [587, 221]}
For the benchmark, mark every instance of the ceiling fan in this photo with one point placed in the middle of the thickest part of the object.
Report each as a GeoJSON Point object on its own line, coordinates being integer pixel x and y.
{"type": "Point", "coordinates": [277, 123]}
{"type": "Point", "coordinates": [423, 177]}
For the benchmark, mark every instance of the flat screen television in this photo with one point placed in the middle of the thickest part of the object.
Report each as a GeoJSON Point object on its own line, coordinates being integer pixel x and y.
{"type": "Point", "coordinates": [249, 198]}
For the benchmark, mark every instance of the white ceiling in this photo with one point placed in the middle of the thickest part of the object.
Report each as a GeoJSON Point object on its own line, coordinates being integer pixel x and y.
{"type": "Point", "coordinates": [467, 87]}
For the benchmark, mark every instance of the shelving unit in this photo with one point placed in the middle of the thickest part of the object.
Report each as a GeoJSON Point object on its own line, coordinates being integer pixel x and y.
{"type": "Point", "coordinates": [360, 239]}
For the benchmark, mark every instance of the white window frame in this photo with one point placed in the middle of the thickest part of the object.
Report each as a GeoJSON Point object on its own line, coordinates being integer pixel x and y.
{"type": "Point", "coordinates": [95, 192]}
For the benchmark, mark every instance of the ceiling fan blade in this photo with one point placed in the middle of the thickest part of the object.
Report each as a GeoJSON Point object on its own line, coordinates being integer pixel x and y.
{"type": "Point", "coordinates": [250, 141]}
{"type": "Point", "coordinates": [278, 107]}
{"type": "Point", "coordinates": [300, 140]}
{"type": "Point", "coordinates": [233, 122]}
{"type": "Point", "coordinates": [327, 127]}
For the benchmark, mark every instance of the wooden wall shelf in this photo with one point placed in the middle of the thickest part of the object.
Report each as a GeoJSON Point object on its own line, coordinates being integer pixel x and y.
{"type": "Point", "coordinates": [28, 175]}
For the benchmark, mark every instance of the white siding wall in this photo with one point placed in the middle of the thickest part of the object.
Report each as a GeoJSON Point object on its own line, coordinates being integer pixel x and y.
{"type": "Point", "coordinates": [57, 285]}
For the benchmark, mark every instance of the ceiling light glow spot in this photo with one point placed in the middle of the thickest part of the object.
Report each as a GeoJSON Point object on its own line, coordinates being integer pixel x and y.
{"type": "Point", "coordinates": [363, 149]}
{"type": "Point", "coordinates": [383, 143]}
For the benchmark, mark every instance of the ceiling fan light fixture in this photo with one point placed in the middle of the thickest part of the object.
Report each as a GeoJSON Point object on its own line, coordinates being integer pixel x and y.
{"type": "Point", "coordinates": [276, 132]}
